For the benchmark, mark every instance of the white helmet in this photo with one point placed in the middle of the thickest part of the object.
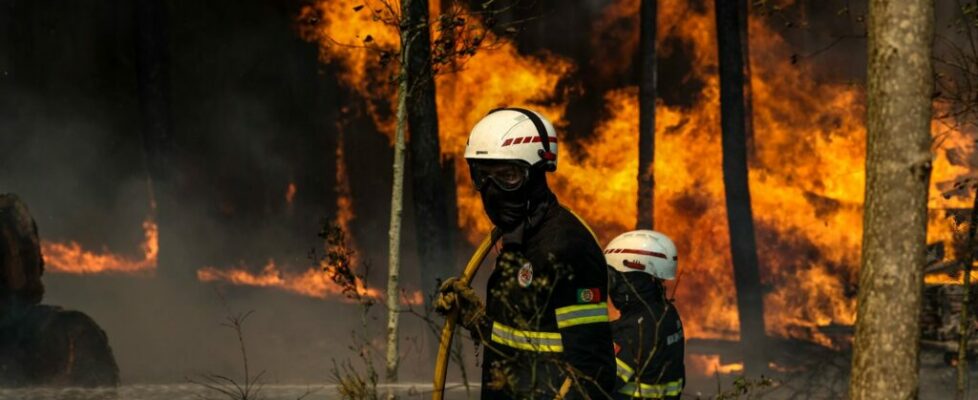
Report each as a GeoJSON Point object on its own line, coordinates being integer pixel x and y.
{"type": "Point", "coordinates": [643, 250]}
{"type": "Point", "coordinates": [514, 134]}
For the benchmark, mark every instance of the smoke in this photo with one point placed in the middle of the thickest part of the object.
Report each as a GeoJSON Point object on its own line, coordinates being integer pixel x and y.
{"type": "Point", "coordinates": [253, 111]}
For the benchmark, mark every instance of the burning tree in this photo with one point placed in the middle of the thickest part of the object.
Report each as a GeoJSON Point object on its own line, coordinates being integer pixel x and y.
{"type": "Point", "coordinates": [898, 163]}
{"type": "Point", "coordinates": [411, 62]}
{"type": "Point", "coordinates": [153, 88]}
{"type": "Point", "coordinates": [956, 63]}
{"type": "Point", "coordinates": [646, 118]}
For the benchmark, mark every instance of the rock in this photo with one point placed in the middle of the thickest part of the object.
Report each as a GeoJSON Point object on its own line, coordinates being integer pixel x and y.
{"type": "Point", "coordinates": [42, 344]}
{"type": "Point", "coordinates": [21, 265]}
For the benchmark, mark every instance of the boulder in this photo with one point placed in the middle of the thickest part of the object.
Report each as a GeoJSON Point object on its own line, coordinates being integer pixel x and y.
{"type": "Point", "coordinates": [42, 344]}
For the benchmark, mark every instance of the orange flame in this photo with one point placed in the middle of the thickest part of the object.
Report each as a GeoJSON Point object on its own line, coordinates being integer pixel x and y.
{"type": "Point", "coordinates": [946, 279]}
{"type": "Point", "coordinates": [710, 365]}
{"type": "Point", "coordinates": [71, 258]}
{"type": "Point", "coordinates": [807, 174]}
{"type": "Point", "coordinates": [312, 282]}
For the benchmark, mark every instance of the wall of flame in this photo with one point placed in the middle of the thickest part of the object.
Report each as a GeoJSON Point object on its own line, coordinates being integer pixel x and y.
{"type": "Point", "coordinates": [806, 176]}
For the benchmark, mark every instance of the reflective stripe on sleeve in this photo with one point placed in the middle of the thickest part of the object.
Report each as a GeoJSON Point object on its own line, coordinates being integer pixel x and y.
{"type": "Point", "coordinates": [644, 391]}
{"type": "Point", "coordinates": [526, 340]}
{"type": "Point", "coordinates": [581, 314]}
{"type": "Point", "coordinates": [624, 371]}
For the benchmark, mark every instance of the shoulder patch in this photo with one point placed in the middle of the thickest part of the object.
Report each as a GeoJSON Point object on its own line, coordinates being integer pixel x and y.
{"type": "Point", "coordinates": [589, 295]}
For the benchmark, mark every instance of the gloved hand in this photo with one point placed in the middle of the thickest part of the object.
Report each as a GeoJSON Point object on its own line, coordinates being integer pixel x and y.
{"type": "Point", "coordinates": [455, 295]}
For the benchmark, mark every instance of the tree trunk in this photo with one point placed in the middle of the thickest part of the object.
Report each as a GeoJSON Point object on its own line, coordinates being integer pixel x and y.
{"type": "Point", "coordinates": [898, 164]}
{"type": "Point", "coordinates": [964, 322]}
{"type": "Point", "coordinates": [646, 117]}
{"type": "Point", "coordinates": [744, 7]}
{"type": "Point", "coordinates": [430, 204]}
{"type": "Point", "coordinates": [740, 220]}
{"type": "Point", "coordinates": [153, 92]}
{"type": "Point", "coordinates": [397, 202]}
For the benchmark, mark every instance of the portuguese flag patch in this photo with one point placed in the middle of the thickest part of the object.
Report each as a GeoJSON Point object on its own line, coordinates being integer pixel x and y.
{"type": "Point", "coordinates": [590, 295]}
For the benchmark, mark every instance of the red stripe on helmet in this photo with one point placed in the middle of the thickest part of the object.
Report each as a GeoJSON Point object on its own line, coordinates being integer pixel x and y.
{"type": "Point", "coordinates": [508, 142]}
{"type": "Point", "coordinates": [639, 252]}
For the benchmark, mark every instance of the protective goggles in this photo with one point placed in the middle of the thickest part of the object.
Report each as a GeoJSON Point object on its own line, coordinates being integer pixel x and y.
{"type": "Point", "coordinates": [507, 176]}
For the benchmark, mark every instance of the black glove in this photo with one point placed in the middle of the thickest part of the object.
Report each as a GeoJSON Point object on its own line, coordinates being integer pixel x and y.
{"type": "Point", "coordinates": [455, 295]}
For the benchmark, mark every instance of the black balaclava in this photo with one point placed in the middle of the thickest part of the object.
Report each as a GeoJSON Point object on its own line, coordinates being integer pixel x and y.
{"type": "Point", "coordinates": [629, 289]}
{"type": "Point", "coordinates": [514, 211]}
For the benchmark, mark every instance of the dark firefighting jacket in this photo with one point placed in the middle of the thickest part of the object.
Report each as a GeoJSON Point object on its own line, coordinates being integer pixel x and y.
{"type": "Point", "coordinates": [546, 302]}
{"type": "Point", "coordinates": [649, 343]}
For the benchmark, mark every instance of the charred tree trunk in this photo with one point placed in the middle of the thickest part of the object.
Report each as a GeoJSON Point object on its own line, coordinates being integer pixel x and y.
{"type": "Point", "coordinates": [430, 204]}
{"type": "Point", "coordinates": [646, 117]}
{"type": "Point", "coordinates": [898, 164]}
{"type": "Point", "coordinates": [153, 91]}
{"type": "Point", "coordinates": [744, 7]}
{"type": "Point", "coordinates": [740, 220]}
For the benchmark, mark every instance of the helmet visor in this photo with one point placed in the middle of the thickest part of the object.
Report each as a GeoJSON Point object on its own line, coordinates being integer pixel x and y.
{"type": "Point", "coordinates": [507, 176]}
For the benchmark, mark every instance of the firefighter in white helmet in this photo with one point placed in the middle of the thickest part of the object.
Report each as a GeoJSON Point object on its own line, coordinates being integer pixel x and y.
{"type": "Point", "coordinates": [545, 316]}
{"type": "Point", "coordinates": [649, 342]}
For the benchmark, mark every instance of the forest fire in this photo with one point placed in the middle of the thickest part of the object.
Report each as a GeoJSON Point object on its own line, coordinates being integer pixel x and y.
{"type": "Point", "coordinates": [312, 282]}
{"type": "Point", "coordinates": [316, 282]}
{"type": "Point", "coordinates": [322, 282]}
{"type": "Point", "coordinates": [807, 171]}
{"type": "Point", "coordinates": [72, 258]}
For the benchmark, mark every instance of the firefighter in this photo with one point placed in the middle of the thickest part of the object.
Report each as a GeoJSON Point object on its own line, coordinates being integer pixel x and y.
{"type": "Point", "coordinates": [544, 323]}
{"type": "Point", "coordinates": [649, 343]}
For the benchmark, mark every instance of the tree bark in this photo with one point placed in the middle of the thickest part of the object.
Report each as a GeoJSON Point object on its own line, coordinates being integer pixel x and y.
{"type": "Point", "coordinates": [646, 116]}
{"type": "Point", "coordinates": [430, 195]}
{"type": "Point", "coordinates": [397, 202]}
{"type": "Point", "coordinates": [153, 92]}
{"type": "Point", "coordinates": [740, 220]}
{"type": "Point", "coordinates": [744, 7]}
{"type": "Point", "coordinates": [964, 321]}
{"type": "Point", "coordinates": [898, 163]}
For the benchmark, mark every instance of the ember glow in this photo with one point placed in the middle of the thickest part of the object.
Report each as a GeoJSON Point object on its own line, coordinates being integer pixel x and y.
{"type": "Point", "coordinates": [290, 193]}
{"type": "Point", "coordinates": [71, 258]}
{"type": "Point", "coordinates": [807, 174]}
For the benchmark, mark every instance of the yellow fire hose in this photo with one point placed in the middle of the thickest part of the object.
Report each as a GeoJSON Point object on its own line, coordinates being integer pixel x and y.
{"type": "Point", "coordinates": [448, 330]}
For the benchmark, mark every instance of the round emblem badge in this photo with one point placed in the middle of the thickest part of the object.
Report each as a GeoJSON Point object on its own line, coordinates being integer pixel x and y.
{"type": "Point", "coordinates": [525, 275]}
{"type": "Point", "coordinates": [587, 296]}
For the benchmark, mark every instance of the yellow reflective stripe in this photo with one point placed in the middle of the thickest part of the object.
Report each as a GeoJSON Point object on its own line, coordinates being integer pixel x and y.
{"type": "Point", "coordinates": [526, 340]}
{"type": "Point", "coordinates": [644, 391]}
{"type": "Point", "coordinates": [624, 371]}
{"type": "Point", "coordinates": [579, 307]}
{"type": "Point", "coordinates": [581, 314]}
